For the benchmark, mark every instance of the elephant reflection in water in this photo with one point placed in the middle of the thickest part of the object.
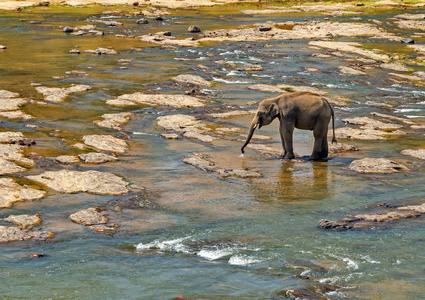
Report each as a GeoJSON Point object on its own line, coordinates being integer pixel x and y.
{"type": "Point", "coordinates": [297, 110]}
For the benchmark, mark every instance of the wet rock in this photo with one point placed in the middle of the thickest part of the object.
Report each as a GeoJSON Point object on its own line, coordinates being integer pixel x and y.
{"type": "Point", "coordinates": [291, 31]}
{"type": "Point", "coordinates": [378, 104]}
{"type": "Point", "coordinates": [171, 136]}
{"type": "Point", "coordinates": [339, 225]}
{"type": "Point", "coordinates": [16, 115]}
{"type": "Point", "coordinates": [376, 165]}
{"type": "Point", "coordinates": [350, 71]}
{"type": "Point", "coordinates": [11, 192]}
{"type": "Point", "coordinates": [177, 101]}
{"type": "Point", "coordinates": [68, 29]}
{"type": "Point", "coordinates": [398, 119]}
{"type": "Point", "coordinates": [96, 158]}
{"type": "Point", "coordinates": [234, 113]}
{"type": "Point", "coordinates": [67, 159]}
{"type": "Point", "coordinates": [417, 153]}
{"type": "Point", "coordinates": [416, 208]}
{"type": "Point", "coordinates": [59, 94]}
{"type": "Point", "coordinates": [202, 162]}
{"type": "Point", "coordinates": [364, 134]}
{"type": "Point", "coordinates": [12, 234]}
{"type": "Point", "coordinates": [14, 152]}
{"type": "Point", "coordinates": [7, 94]}
{"type": "Point", "coordinates": [395, 67]}
{"type": "Point", "coordinates": [7, 167]}
{"type": "Point", "coordinates": [114, 121]}
{"type": "Point", "coordinates": [106, 143]}
{"type": "Point", "coordinates": [369, 123]}
{"type": "Point", "coordinates": [169, 40]}
{"type": "Point", "coordinates": [8, 103]}
{"type": "Point", "coordinates": [106, 51]}
{"type": "Point", "coordinates": [350, 47]}
{"type": "Point", "coordinates": [301, 88]}
{"type": "Point", "coordinates": [404, 77]}
{"type": "Point", "coordinates": [89, 216]}
{"type": "Point", "coordinates": [25, 221]}
{"type": "Point", "coordinates": [2, 47]}
{"type": "Point", "coordinates": [266, 88]}
{"type": "Point", "coordinates": [74, 51]}
{"type": "Point", "coordinates": [93, 182]}
{"type": "Point", "coordinates": [189, 126]}
{"type": "Point", "coordinates": [341, 147]}
{"type": "Point", "coordinates": [252, 67]}
{"type": "Point", "coordinates": [193, 29]}
{"type": "Point", "coordinates": [192, 79]}
{"type": "Point", "coordinates": [108, 23]}
{"type": "Point", "coordinates": [142, 21]}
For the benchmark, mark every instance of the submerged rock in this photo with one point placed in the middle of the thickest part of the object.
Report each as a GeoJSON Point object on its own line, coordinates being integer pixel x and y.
{"type": "Point", "coordinates": [418, 153]}
{"type": "Point", "coordinates": [177, 101]}
{"type": "Point", "coordinates": [93, 182]}
{"type": "Point", "coordinates": [106, 143]}
{"type": "Point", "coordinates": [59, 94]}
{"type": "Point", "coordinates": [202, 162]}
{"type": "Point", "coordinates": [192, 79]}
{"type": "Point", "coordinates": [11, 192]}
{"type": "Point", "coordinates": [376, 165]}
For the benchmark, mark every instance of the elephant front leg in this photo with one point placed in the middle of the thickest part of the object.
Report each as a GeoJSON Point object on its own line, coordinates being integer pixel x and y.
{"type": "Point", "coordinates": [286, 137]}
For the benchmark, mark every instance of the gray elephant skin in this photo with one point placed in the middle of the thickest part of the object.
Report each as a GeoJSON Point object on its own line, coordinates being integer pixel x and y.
{"type": "Point", "coordinates": [300, 110]}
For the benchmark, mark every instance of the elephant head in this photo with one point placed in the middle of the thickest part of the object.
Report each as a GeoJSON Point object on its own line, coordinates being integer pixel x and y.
{"type": "Point", "coordinates": [267, 111]}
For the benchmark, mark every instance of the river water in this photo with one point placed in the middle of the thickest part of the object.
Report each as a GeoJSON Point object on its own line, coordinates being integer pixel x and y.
{"type": "Point", "coordinates": [203, 236]}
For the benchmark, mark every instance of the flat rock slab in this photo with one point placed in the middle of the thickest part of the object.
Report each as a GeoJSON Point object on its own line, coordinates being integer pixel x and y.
{"type": "Point", "coordinates": [25, 221]}
{"type": "Point", "coordinates": [7, 94]}
{"type": "Point", "coordinates": [8, 167]}
{"type": "Point", "coordinates": [364, 134]}
{"type": "Point", "coordinates": [302, 88]}
{"type": "Point", "coordinates": [114, 121]}
{"type": "Point", "coordinates": [176, 101]}
{"type": "Point", "coordinates": [67, 159]}
{"type": "Point", "coordinates": [418, 153]}
{"type": "Point", "coordinates": [376, 165]}
{"type": "Point", "coordinates": [234, 113]}
{"type": "Point", "coordinates": [192, 79]}
{"type": "Point", "coordinates": [106, 143]}
{"type": "Point", "coordinates": [13, 152]}
{"type": "Point", "coordinates": [94, 219]}
{"type": "Point", "coordinates": [189, 126]}
{"type": "Point", "coordinates": [202, 162]}
{"type": "Point", "coordinates": [11, 136]}
{"type": "Point", "coordinates": [341, 147]}
{"type": "Point", "coordinates": [266, 88]}
{"type": "Point", "coordinates": [368, 123]}
{"type": "Point", "coordinates": [373, 220]}
{"type": "Point", "coordinates": [350, 47]}
{"type": "Point", "coordinates": [17, 114]}
{"type": "Point", "coordinates": [59, 94]}
{"type": "Point", "coordinates": [7, 104]}
{"type": "Point", "coordinates": [11, 192]}
{"type": "Point", "coordinates": [12, 234]}
{"type": "Point", "coordinates": [93, 182]}
{"type": "Point", "coordinates": [96, 158]}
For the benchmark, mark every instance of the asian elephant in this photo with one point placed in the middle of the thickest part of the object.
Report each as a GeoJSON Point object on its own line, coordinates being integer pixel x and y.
{"type": "Point", "coordinates": [300, 110]}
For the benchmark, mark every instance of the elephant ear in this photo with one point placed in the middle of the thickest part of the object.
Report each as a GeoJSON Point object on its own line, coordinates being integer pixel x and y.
{"type": "Point", "coordinates": [274, 110]}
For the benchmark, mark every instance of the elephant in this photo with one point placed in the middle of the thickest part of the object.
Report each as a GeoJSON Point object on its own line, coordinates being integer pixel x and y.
{"type": "Point", "coordinates": [302, 110]}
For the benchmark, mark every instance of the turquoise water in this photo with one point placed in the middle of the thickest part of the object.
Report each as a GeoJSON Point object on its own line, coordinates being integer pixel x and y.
{"type": "Point", "coordinates": [203, 236]}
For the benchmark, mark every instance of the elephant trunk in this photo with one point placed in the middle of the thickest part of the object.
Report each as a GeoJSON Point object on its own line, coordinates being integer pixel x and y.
{"type": "Point", "coordinates": [252, 128]}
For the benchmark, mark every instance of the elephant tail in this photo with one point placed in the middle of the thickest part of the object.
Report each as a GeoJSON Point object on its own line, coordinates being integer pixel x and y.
{"type": "Point", "coordinates": [333, 121]}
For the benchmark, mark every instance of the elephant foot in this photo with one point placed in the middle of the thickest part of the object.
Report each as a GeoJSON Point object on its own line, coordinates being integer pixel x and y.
{"type": "Point", "coordinates": [288, 156]}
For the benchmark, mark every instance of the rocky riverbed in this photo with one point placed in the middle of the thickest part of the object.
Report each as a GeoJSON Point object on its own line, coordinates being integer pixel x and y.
{"type": "Point", "coordinates": [133, 128]}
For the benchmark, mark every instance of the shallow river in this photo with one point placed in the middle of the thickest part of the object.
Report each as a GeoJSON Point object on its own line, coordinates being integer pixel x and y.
{"type": "Point", "coordinates": [201, 236]}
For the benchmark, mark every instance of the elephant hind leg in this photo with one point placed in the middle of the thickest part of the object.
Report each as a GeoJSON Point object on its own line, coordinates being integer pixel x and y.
{"type": "Point", "coordinates": [320, 148]}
